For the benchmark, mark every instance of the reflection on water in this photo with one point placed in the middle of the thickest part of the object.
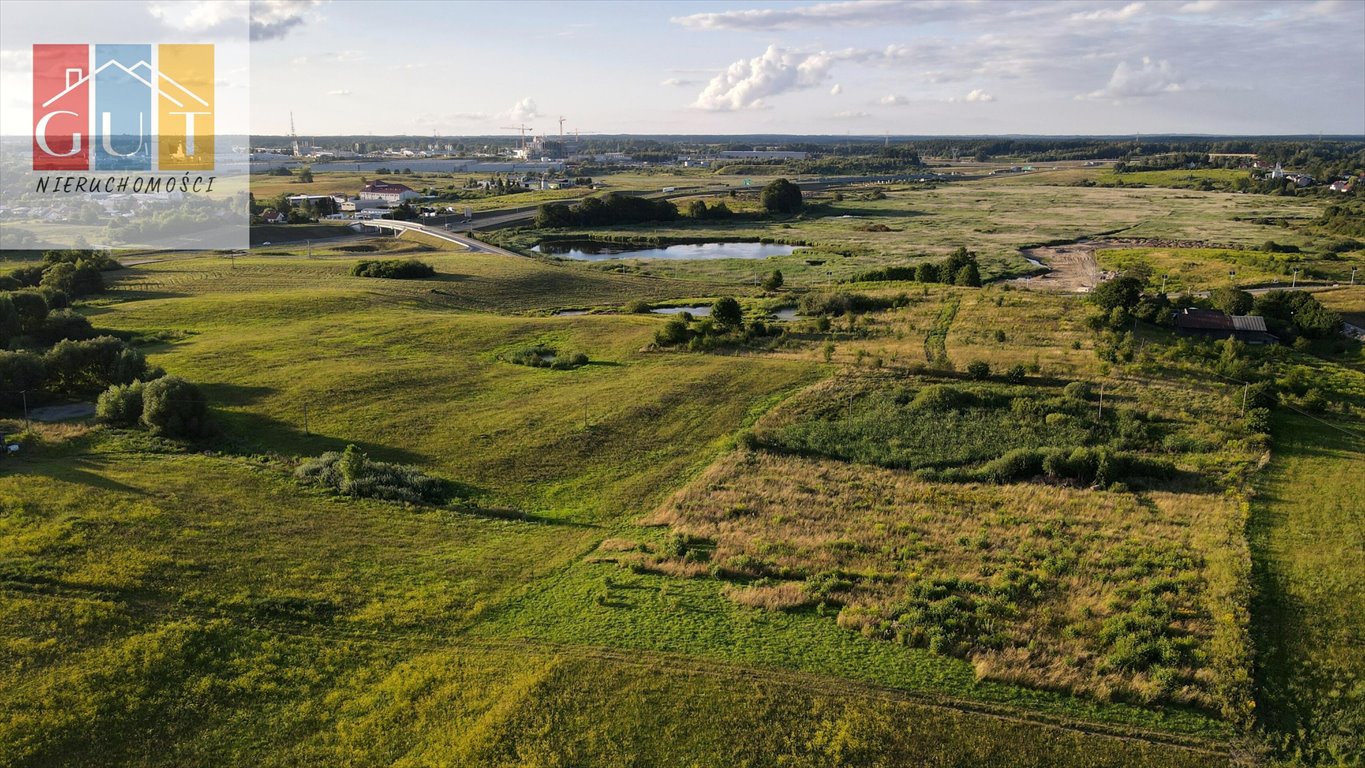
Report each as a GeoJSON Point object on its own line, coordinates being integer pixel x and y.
{"type": "Point", "coordinates": [598, 251]}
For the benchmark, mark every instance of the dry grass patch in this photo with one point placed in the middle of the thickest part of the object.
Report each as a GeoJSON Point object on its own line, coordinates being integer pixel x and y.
{"type": "Point", "coordinates": [1115, 595]}
{"type": "Point", "coordinates": [772, 597]}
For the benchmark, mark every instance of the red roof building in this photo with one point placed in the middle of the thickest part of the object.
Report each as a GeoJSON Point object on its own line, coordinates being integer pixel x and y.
{"type": "Point", "coordinates": [383, 190]}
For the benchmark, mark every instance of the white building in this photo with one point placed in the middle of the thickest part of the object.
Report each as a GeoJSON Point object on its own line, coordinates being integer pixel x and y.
{"type": "Point", "coordinates": [389, 193]}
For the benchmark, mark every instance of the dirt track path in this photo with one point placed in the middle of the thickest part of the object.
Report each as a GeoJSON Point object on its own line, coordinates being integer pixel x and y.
{"type": "Point", "coordinates": [1072, 268]}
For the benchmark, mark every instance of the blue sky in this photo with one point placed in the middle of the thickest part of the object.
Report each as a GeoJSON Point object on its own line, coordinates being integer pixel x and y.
{"type": "Point", "coordinates": [930, 67]}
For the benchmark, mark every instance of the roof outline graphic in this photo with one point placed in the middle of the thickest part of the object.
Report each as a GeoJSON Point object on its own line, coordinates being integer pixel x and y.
{"type": "Point", "coordinates": [155, 75]}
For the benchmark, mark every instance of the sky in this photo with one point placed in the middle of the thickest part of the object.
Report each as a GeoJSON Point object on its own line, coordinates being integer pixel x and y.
{"type": "Point", "coordinates": [898, 67]}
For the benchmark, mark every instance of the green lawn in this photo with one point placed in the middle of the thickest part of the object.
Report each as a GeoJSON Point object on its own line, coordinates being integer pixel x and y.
{"type": "Point", "coordinates": [1308, 535]}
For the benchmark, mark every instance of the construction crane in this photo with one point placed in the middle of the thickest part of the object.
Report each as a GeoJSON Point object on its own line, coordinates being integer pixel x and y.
{"type": "Point", "coordinates": [561, 127]}
{"type": "Point", "coordinates": [293, 137]}
{"type": "Point", "coordinates": [523, 128]}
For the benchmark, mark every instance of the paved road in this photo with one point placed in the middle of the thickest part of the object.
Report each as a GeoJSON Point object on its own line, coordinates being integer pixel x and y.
{"type": "Point", "coordinates": [440, 233]}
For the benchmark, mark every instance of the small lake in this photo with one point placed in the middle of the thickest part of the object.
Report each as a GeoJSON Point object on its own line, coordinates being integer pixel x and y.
{"type": "Point", "coordinates": [597, 251]}
{"type": "Point", "coordinates": [786, 314]}
{"type": "Point", "coordinates": [700, 311]}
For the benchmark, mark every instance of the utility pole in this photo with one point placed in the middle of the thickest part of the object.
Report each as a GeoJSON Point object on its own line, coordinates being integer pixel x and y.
{"type": "Point", "coordinates": [1163, 284]}
{"type": "Point", "coordinates": [310, 248]}
{"type": "Point", "coordinates": [1245, 391]}
{"type": "Point", "coordinates": [1353, 275]}
{"type": "Point", "coordinates": [1296, 280]}
{"type": "Point", "coordinates": [24, 394]}
{"type": "Point", "coordinates": [1101, 416]}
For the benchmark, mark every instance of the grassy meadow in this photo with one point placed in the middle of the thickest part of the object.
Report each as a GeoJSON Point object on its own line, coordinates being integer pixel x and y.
{"type": "Point", "coordinates": [659, 549]}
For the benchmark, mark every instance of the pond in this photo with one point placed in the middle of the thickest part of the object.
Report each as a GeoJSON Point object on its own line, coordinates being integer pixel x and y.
{"type": "Point", "coordinates": [599, 251]}
{"type": "Point", "coordinates": [785, 314]}
{"type": "Point", "coordinates": [697, 311]}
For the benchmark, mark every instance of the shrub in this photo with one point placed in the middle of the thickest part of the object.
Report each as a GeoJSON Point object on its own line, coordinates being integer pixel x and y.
{"type": "Point", "coordinates": [639, 307]}
{"type": "Point", "coordinates": [1016, 374]}
{"type": "Point", "coordinates": [120, 405]}
{"type": "Point", "coordinates": [674, 332]}
{"type": "Point", "coordinates": [1077, 390]}
{"type": "Point", "coordinates": [352, 473]}
{"type": "Point", "coordinates": [541, 356]}
{"type": "Point", "coordinates": [393, 269]}
{"type": "Point", "coordinates": [978, 370]}
{"type": "Point", "coordinates": [968, 275]}
{"type": "Point", "coordinates": [1258, 420]}
{"type": "Point", "coordinates": [174, 407]}
{"type": "Point", "coordinates": [773, 281]}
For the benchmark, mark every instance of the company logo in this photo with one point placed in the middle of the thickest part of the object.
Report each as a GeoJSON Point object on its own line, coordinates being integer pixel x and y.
{"type": "Point", "coordinates": [121, 107]}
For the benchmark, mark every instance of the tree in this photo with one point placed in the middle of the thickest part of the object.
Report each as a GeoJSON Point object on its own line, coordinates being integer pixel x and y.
{"type": "Point", "coordinates": [773, 281]}
{"type": "Point", "coordinates": [174, 407]}
{"type": "Point", "coordinates": [64, 324]}
{"type": "Point", "coordinates": [19, 372]}
{"type": "Point", "coordinates": [978, 369]}
{"type": "Point", "coordinates": [79, 367]}
{"type": "Point", "coordinates": [969, 275]}
{"type": "Point", "coordinates": [1231, 300]}
{"type": "Point", "coordinates": [697, 209]}
{"type": "Point", "coordinates": [32, 309]}
{"type": "Point", "coordinates": [10, 321]}
{"type": "Point", "coordinates": [79, 279]}
{"type": "Point", "coordinates": [781, 196]}
{"type": "Point", "coordinates": [726, 312]}
{"type": "Point", "coordinates": [1122, 293]}
{"type": "Point", "coordinates": [305, 175]}
{"type": "Point", "coordinates": [927, 273]}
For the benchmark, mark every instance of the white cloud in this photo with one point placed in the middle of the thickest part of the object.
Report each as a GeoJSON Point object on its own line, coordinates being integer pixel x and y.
{"type": "Point", "coordinates": [978, 94]}
{"type": "Point", "coordinates": [1148, 79]}
{"type": "Point", "coordinates": [522, 111]}
{"type": "Point", "coordinates": [836, 90]}
{"type": "Point", "coordinates": [892, 100]}
{"type": "Point", "coordinates": [341, 92]}
{"type": "Point", "coordinates": [861, 13]}
{"type": "Point", "coordinates": [1201, 6]}
{"type": "Point", "coordinates": [273, 19]}
{"type": "Point", "coordinates": [199, 15]}
{"type": "Point", "coordinates": [337, 57]}
{"type": "Point", "coordinates": [745, 83]}
{"type": "Point", "coordinates": [678, 82]}
{"type": "Point", "coordinates": [1110, 14]}
{"type": "Point", "coordinates": [850, 115]}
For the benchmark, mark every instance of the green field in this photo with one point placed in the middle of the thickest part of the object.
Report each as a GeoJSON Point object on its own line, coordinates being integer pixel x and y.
{"type": "Point", "coordinates": [993, 217]}
{"type": "Point", "coordinates": [641, 569]}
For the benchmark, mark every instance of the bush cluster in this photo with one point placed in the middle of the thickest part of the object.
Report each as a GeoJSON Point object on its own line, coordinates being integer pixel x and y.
{"type": "Point", "coordinates": [393, 269]}
{"type": "Point", "coordinates": [352, 473]}
{"type": "Point", "coordinates": [841, 303]}
{"type": "Point", "coordinates": [34, 317]}
{"type": "Point", "coordinates": [725, 327]}
{"type": "Point", "coordinates": [961, 268]}
{"type": "Point", "coordinates": [611, 209]}
{"type": "Point", "coordinates": [541, 356]}
{"type": "Point", "coordinates": [167, 407]}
